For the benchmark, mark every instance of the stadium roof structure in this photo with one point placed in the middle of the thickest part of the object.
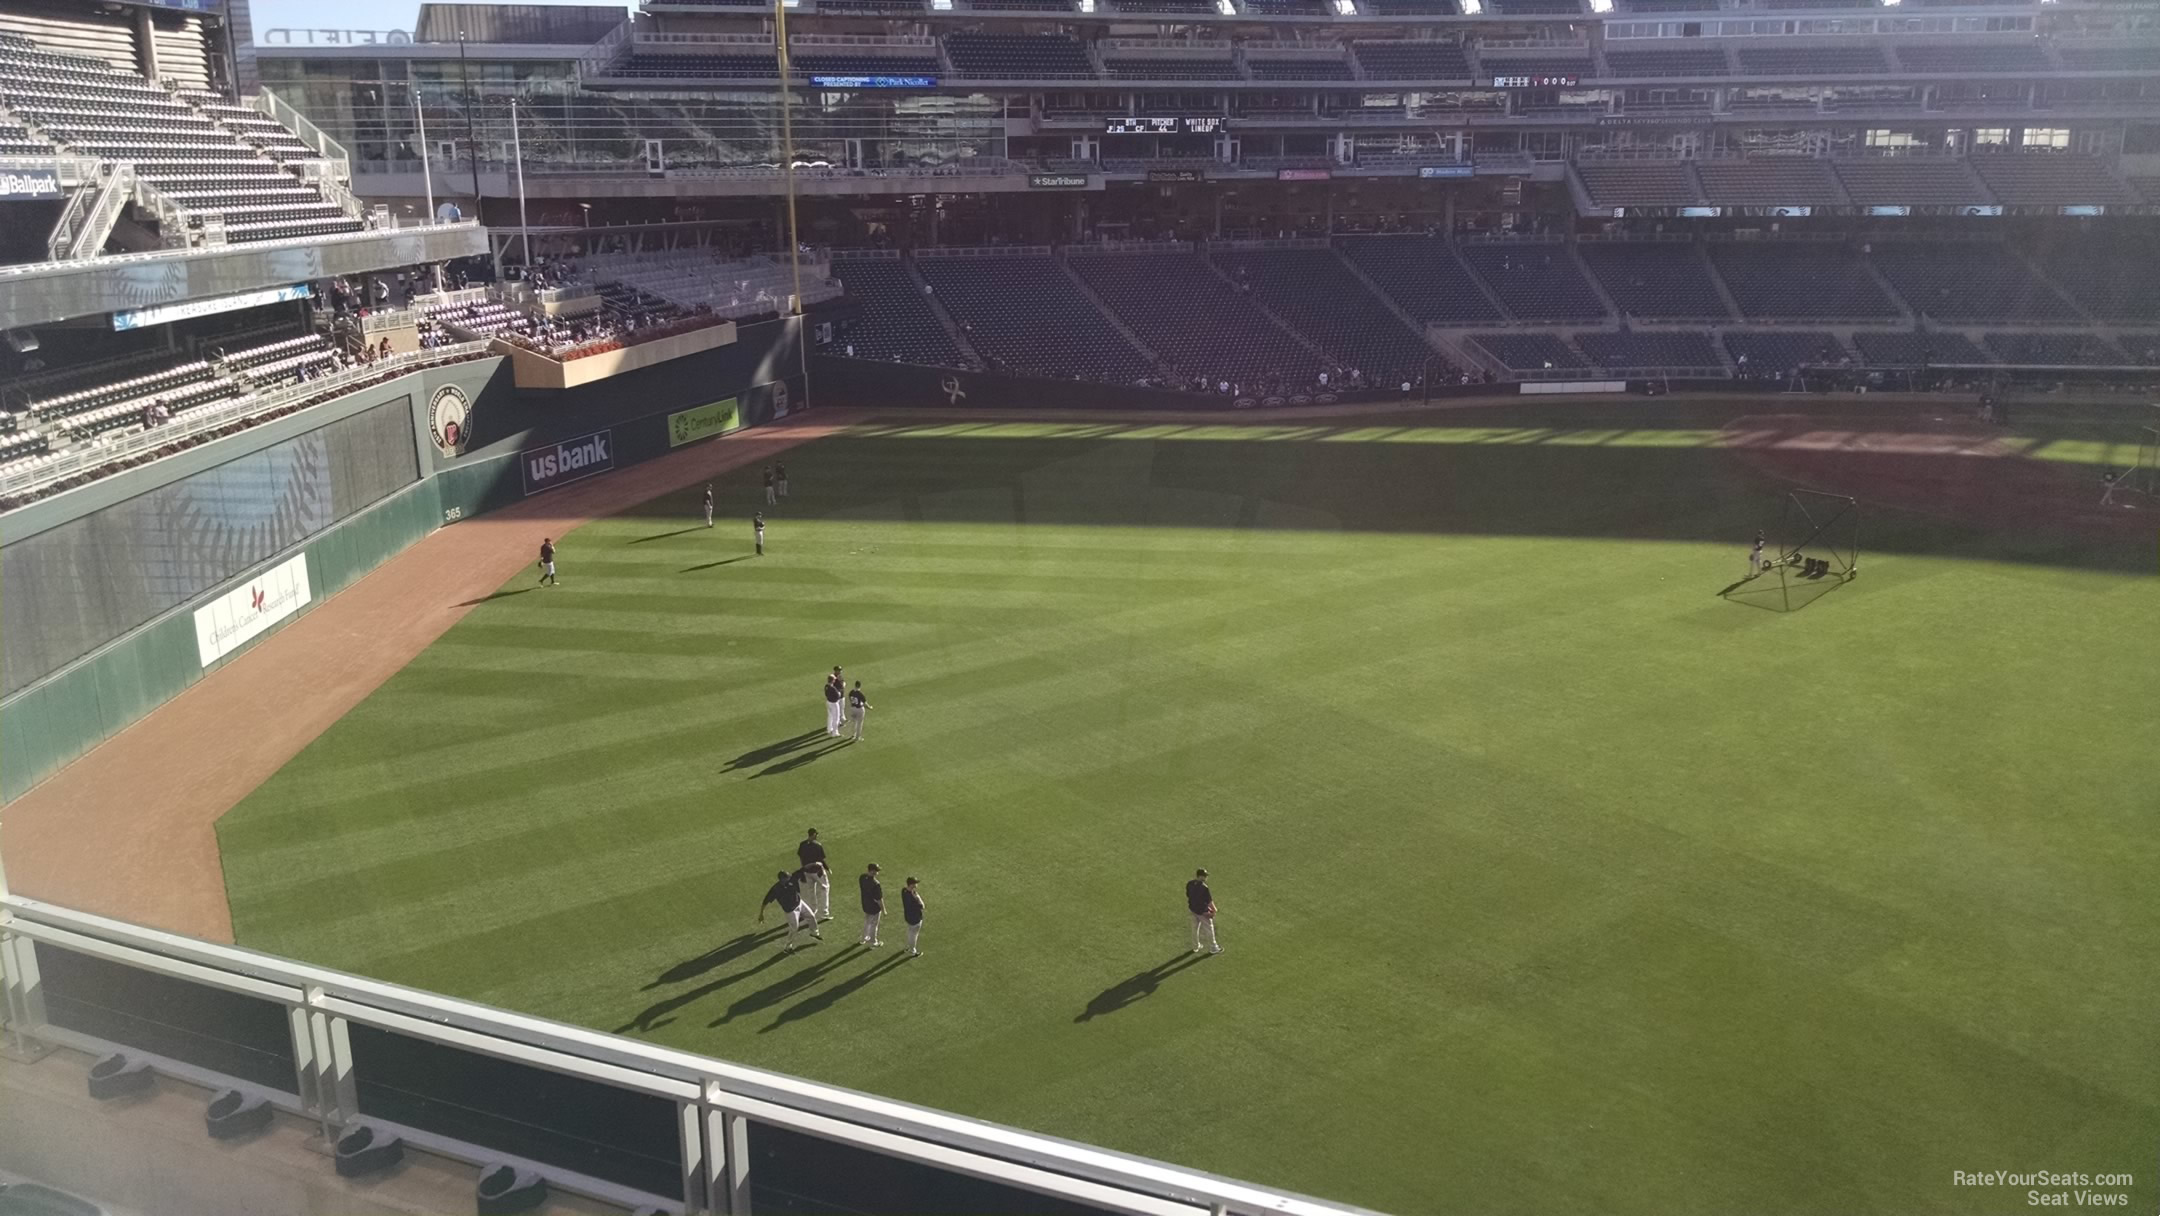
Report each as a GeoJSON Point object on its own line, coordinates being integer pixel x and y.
{"type": "Point", "coordinates": [518, 24]}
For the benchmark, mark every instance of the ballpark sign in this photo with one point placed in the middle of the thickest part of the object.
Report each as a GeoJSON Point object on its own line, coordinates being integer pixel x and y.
{"type": "Point", "coordinates": [235, 618]}
{"type": "Point", "coordinates": [571, 460]}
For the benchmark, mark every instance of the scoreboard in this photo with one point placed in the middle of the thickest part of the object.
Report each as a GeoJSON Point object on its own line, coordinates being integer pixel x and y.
{"type": "Point", "coordinates": [1535, 82]}
{"type": "Point", "coordinates": [1163, 126]}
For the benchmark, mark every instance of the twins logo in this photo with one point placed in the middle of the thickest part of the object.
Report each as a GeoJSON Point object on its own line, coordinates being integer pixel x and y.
{"type": "Point", "coordinates": [450, 420]}
{"type": "Point", "coordinates": [954, 394]}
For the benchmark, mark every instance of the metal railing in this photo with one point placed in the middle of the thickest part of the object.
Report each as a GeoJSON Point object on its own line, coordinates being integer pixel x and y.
{"type": "Point", "coordinates": [189, 424]}
{"type": "Point", "coordinates": [103, 212]}
{"type": "Point", "coordinates": [717, 1104]}
{"type": "Point", "coordinates": [310, 134]}
{"type": "Point", "coordinates": [598, 56]}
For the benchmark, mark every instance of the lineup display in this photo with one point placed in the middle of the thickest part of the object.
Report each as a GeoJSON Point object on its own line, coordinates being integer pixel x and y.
{"type": "Point", "coordinates": [1535, 82]}
{"type": "Point", "coordinates": [1162, 126]}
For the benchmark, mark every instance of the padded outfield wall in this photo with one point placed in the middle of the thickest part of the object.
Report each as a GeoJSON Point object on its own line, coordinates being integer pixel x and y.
{"type": "Point", "coordinates": [108, 592]}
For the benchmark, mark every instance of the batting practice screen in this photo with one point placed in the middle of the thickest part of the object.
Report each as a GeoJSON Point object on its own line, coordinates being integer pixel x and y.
{"type": "Point", "coordinates": [73, 588]}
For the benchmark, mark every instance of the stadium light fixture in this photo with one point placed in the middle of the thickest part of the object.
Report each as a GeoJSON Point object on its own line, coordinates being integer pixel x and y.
{"type": "Point", "coordinates": [1226, 8]}
{"type": "Point", "coordinates": [1345, 8]}
{"type": "Point", "coordinates": [1473, 8]}
{"type": "Point", "coordinates": [1600, 6]}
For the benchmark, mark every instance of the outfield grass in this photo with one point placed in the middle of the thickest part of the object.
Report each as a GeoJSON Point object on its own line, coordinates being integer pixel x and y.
{"type": "Point", "coordinates": [1549, 880]}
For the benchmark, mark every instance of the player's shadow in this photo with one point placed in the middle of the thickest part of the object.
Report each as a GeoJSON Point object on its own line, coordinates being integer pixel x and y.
{"type": "Point", "coordinates": [726, 952]}
{"type": "Point", "coordinates": [1132, 988]}
{"type": "Point", "coordinates": [664, 535]}
{"type": "Point", "coordinates": [774, 993]}
{"type": "Point", "coordinates": [1796, 593]}
{"type": "Point", "coordinates": [725, 561]}
{"type": "Point", "coordinates": [822, 1001]}
{"type": "Point", "coordinates": [660, 1013]}
{"type": "Point", "coordinates": [500, 595]}
{"type": "Point", "coordinates": [773, 751]}
{"type": "Point", "coordinates": [799, 759]}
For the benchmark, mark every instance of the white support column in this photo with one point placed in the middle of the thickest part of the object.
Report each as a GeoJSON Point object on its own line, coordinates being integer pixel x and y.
{"type": "Point", "coordinates": [24, 1007]}
{"type": "Point", "coordinates": [307, 1072]}
{"type": "Point", "coordinates": [738, 1165]}
{"type": "Point", "coordinates": [690, 1125]}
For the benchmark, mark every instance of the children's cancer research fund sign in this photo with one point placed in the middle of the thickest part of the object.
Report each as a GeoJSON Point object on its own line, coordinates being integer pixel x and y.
{"type": "Point", "coordinates": [238, 616]}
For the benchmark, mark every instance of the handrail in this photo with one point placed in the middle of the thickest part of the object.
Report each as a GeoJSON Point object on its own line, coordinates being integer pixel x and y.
{"type": "Point", "coordinates": [61, 243]}
{"type": "Point", "coordinates": [296, 122]}
{"type": "Point", "coordinates": [33, 269]}
{"type": "Point", "coordinates": [103, 212]}
{"type": "Point", "coordinates": [600, 55]}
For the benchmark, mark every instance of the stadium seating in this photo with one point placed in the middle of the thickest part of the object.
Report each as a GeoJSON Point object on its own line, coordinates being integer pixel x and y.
{"type": "Point", "coordinates": [1668, 352]}
{"type": "Point", "coordinates": [1906, 348]}
{"type": "Point", "coordinates": [1025, 315]}
{"type": "Point", "coordinates": [1424, 278]}
{"type": "Point", "coordinates": [2050, 179]}
{"type": "Point", "coordinates": [1946, 60]}
{"type": "Point", "coordinates": [1777, 352]}
{"type": "Point", "coordinates": [1914, 181]}
{"type": "Point", "coordinates": [1299, 69]}
{"type": "Point", "coordinates": [1975, 282]}
{"type": "Point", "coordinates": [1533, 8]}
{"type": "Point", "coordinates": [2054, 350]}
{"type": "Point", "coordinates": [1023, 6]}
{"type": "Point", "coordinates": [1536, 282]}
{"type": "Point", "coordinates": [1288, 8]}
{"type": "Point", "coordinates": [1799, 281]}
{"type": "Point", "coordinates": [1420, 61]}
{"type": "Point", "coordinates": [2109, 58]}
{"type": "Point", "coordinates": [134, 391]}
{"type": "Point", "coordinates": [1409, 8]}
{"type": "Point", "coordinates": [16, 140]}
{"type": "Point", "coordinates": [1313, 291]}
{"type": "Point", "coordinates": [1670, 6]}
{"type": "Point", "coordinates": [1785, 181]}
{"type": "Point", "coordinates": [2111, 276]}
{"type": "Point", "coordinates": [1639, 183]}
{"type": "Point", "coordinates": [1578, 66]}
{"type": "Point", "coordinates": [1692, 62]}
{"type": "Point", "coordinates": [1164, 6]}
{"type": "Point", "coordinates": [1655, 281]}
{"type": "Point", "coordinates": [1170, 69]}
{"type": "Point", "coordinates": [1812, 60]}
{"type": "Point", "coordinates": [1190, 316]}
{"type": "Point", "coordinates": [2141, 348]}
{"type": "Point", "coordinates": [199, 165]}
{"type": "Point", "coordinates": [896, 321]}
{"type": "Point", "coordinates": [865, 65]}
{"type": "Point", "coordinates": [1018, 56]}
{"type": "Point", "coordinates": [1531, 352]}
{"type": "Point", "coordinates": [722, 67]}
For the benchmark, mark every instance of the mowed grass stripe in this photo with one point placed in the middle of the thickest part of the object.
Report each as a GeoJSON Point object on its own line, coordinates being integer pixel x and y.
{"type": "Point", "coordinates": [1549, 879]}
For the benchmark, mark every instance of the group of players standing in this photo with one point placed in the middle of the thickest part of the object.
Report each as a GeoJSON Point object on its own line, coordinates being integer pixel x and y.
{"type": "Point", "coordinates": [804, 897]}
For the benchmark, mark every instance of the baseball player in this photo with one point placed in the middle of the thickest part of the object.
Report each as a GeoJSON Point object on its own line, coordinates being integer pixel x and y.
{"type": "Point", "coordinates": [547, 561]}
{"type": "Point", "coordinates": [786, 892]}
{"type": "Point", "coordinates": [757, 522]}
{"type": "Point", "coordinates": [708, 504]}
{"type": "Point", "coordinates": [1201, 902]}
{"type": "Point", "coordinates": [810, 855]}
{"type": "Point", "coordinates": [858, 705]}
{"type": "Point", "coordinates": [834, 695]}
{"type": "Point", "coordinates": [1755, 564]}
{"type": "Point", "coordinates": [771, 485]}
{"type": "Point", "coordinates": [780, 474]}
{"type": "Point", "coordinates": [873, 906]}
{"type": "Point", "coordinates": [911, 910]}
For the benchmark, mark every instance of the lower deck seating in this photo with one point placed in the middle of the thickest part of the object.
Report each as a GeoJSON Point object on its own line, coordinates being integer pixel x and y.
{"type": "Point", "coordinates": [1908, 348]}
{"type": "Point", "coordinates": [2110, 275]}
{"type": "Point", "coordinates": [2054, 350]}
{"type": "Point", "coordinates": [1314, 292]}
{"type": "Point", "coordinates": [1536, 281]}
{"type": "Point", "coordinates": [1024, 314]}
{"type": "Point", "coordinates": [1975, 282]}
{"type": "Point", "coordinates": [1800, 281]}
{"type": "Point", "coordinates": [1670, 352]}
{"type": "Point", "coordinates": [1779, 352]}
{"type": "Point", "coordinates": [896, 322]}
{"type": "Point", "coordinates": [1530, 352]}
{"type": "Point", "coordinates": [1656, 281]}
{"type": "Point", "coordinates": [1424, 278]}
{"type": "Point", "coordinates": [1194, 319]}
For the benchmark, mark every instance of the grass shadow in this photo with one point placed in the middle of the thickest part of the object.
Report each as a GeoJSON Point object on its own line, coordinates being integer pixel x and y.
{"type": "Point", "coordinates": [825, 1000]}
{"type": "Point", "coordinates": [725, 561]}
{"type": "Point", "coordinates": [1136, 987]}
{"type": "Point", "coordinates": [659, 1014]}
{"type": "Point", "coordinates": [500, 595]}
{"type": "Point", "coordinates": [1765, 593]}
{"type": "Point", "coordinates": [795, 762]}
{"type": "Point", "coordinates": [773, 751]}
{"type": "Point", "coordinates": [727, 952]}
{"type": "Point", "coordinates": [774, 993]}
{"type": "Point", "coordinates": [664, 535]}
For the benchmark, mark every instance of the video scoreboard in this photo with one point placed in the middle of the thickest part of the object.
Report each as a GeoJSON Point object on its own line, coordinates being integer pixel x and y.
{"type": "Point", "coordinates": [1163, 126]}
{"type": "Point", "coordinates": [1535, 82]}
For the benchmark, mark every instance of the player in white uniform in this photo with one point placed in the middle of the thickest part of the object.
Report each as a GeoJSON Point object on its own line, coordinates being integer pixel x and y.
{"type": "Point", "coordinates": [708, 504]}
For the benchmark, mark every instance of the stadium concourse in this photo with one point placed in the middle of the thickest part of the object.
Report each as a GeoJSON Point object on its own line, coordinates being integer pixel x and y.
{"type": "Point", "coordinates": [1297, 443]}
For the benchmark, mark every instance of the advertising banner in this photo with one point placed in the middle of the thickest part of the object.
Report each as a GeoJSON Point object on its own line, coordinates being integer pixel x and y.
{"type": "Point", "coordinates": [559, 464]}
{"type": "Point", "coordinates": [142, 317]}
{"type": "Point", "coordinates": [29, 183]}
{"type": "Point", "coordinates": [1057, 181]}
{"type": "Point", "coordinates": [1177, 175]}
{"type": "Point", "coordinates": [704, 422]}
{"type": "Point", "coordinates": [235, 618]}
{"type": "Point", "coordinates": [1304, 175]}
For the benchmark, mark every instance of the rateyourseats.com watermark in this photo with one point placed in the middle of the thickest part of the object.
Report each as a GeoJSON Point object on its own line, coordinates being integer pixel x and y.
{"type": "Point", "coordinates": [2049, 1190]}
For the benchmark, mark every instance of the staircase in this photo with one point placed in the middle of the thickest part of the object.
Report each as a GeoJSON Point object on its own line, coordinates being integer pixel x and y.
{"type": "Point", "coordinates": [937, 309]}
{"type": "Point", "coordinates": [1088, 293]}
{"type": "Point", "coordinates": [1416, 326]}
{"type": "Point", "coordinates": [1325, 359]}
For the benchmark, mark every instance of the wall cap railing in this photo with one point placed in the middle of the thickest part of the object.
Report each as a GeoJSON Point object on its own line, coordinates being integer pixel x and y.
{"type": "Point", "coordinates": [1095, 1176]}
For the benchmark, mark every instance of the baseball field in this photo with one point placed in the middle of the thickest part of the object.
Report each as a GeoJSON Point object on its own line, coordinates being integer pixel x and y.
{"type": "Point", "coordinates": [1550, 879]}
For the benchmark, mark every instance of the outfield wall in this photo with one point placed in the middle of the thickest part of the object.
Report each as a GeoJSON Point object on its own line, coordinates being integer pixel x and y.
{"type": "Point", "coordinates": [102, 588]}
